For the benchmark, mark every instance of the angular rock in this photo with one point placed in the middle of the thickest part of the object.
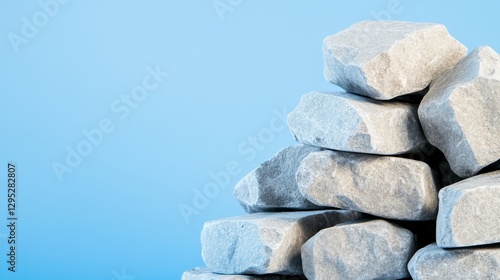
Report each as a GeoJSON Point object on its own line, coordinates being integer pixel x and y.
{"type": "Point", "coordinates": [200, 273]}
{"type": "Point", "coordinates": [264, 243]}
{"type": "Point", "coordinates": [389, 187]}
{"type": "Point", "coordinates": [386, 59]}
{"type": "Point", "coordinates": [469, 212]}
{"type": "Point", "coordinates": [365, 249]}
{"type": "Point", "coordinates": [434, 263]}
{"type": "Point", "coordinates": [459, 114]}
{"type": "Point", "coordinates": [272, 185]}
{"type": "Point", "coordinates": [347, 122]}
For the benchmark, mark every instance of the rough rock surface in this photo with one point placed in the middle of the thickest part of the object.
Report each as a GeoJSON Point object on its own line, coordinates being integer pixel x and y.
{"type": "Point", "coordinates": [460, 113]}
{"type": "Point", "coordinates": [347, 122]}
{"type": "Point", "coordinates": [373, 249]}
{"type": "Point", "coordinates": [264, 243]}
{"type": "Point", "coordinates": [386, 59]}
{"type": "Point", "coordinates": [389, 187]}
{"type": "Point", "coordinates": [469, 212]}
{"type": "Point", "coordinates": [434, 263]}
{"type": "Point", "coordinates": [272, 185]}
{"type": "Point", "coordinates": [200, 273]}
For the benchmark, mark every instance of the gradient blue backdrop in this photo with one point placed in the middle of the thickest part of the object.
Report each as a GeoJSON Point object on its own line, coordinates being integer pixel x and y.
{"type": "Point", "coordinates": [117, 213]}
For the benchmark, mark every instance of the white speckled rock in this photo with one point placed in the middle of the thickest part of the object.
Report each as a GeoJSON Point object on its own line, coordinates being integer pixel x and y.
{"type": "Point", "coordinates": [469, 212]}
{"type": "Point", "coordinates": [347, 122]}
{"type": "Point", "coordinates": [264, 243]}
{"type": "Point", "coordinates": [434, 263]}
{"type": "Point", "coordinates": [373, 249]}
{"type": "Point", "coordinates": [386, 59]}
{"type": "Point", "coordinates": [272, 185]}
{"type": "Point", "coordinates": [200, 273]}
{"type": "Point", "coordinates": [389, 187]}
{"type": "Point", "coordinates": [460, 114]}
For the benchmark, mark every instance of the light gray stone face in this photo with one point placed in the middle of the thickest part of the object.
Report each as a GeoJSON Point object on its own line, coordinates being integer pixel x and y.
{"type": "Point", "coordinates": [386, 59]}
{"type": "Point", "coordinates": [200, 273]}
{"type": "Point", "coordinates": [469, 212]}
{"type": "Point", "coordinates": [460, 113]}
{"type": "Point", "coordinates": [373, 249]}
{"type": "Point", "coordinates": [389, 187]}
{"type": "Point", "coordinates": [264, 243]}
{"type": "Point", "coordinates": [347, 122]}
{"type": "Point", "coordinates": [272, 185]}
{"type": "Point", "coordinates": [434, 263]}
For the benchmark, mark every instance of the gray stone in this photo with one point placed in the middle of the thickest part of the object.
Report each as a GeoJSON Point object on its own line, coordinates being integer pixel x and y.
{"type": "Point", "coordinates": [347, 122]}
{"type": "Point", "coordinates": [200, 273]}
{"type": "Point", "coordinates": [389, 187]}
{"type": "Point", "coordinates": [459, 114]}
{"type": "Point", "coordinates": [264, 243]}
{"type": "Point", "coordinates": [469, 212]}
{"type": "Point", "coordinates": [373, 249]}
{"type": "Point", "coordinates": [386, 59]}
{"type": "Point", "coordinates": [272, 185]}
{"type": "Point", "coordinates": [434, 263]}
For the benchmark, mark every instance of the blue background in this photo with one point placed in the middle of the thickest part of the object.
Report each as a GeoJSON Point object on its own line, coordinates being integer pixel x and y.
{"type": "Point", "coordinates": [117, 213]}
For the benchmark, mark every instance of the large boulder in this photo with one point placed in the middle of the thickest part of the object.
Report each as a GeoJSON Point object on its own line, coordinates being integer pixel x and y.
{"type": "Point", "coordinates": [264, 243]}
{"type": "Point", "coordinates": [347, 122]}
{"type": "Point", "coordinates": [365, 249]}
{"type": "Point", "coordinates": [460, 113]}
{"type": "Point", "coordinates": [469, 212]}
{"type": "Point", "coordinates": [272, 186]}
{"type": "Point", "coordinates": [386, 59]}
{"type": "Point", "coordinates": [389, 187]}
{"type": "Point", "coordinates": [434, 263]}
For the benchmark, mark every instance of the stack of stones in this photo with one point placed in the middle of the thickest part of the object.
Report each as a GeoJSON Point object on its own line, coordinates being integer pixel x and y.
{"type": "Point", "coordinates": [366, 194]}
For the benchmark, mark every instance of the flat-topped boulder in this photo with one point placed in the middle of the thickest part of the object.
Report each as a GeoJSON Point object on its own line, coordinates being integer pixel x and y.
{"type": "Point", "coordinates": [384, 186]}
{"type": "Point", "coordinates": [469, 212]}
{"type": "Point", "coordinates": [264, 243]}
{"type": "Point", "coordinates": [434, 263]}
{"type": "Point", "coordinates": [351, 123]}
{"type": "Point", "coordinates": [386, 59]}
{"type": "Point", "coordinates": [363, 249]}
